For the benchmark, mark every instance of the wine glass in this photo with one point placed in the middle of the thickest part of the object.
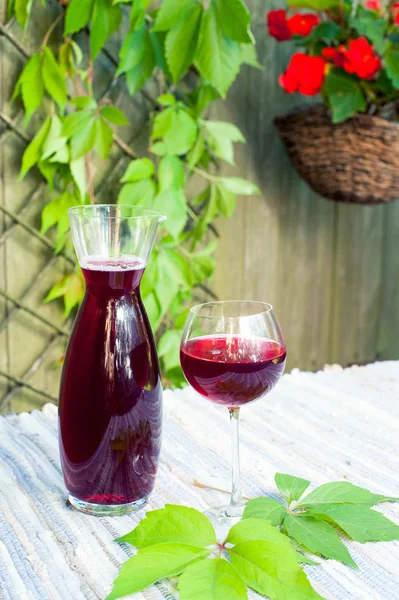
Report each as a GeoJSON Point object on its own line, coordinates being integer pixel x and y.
{"type": "Point", "coordinates": [232, 353]}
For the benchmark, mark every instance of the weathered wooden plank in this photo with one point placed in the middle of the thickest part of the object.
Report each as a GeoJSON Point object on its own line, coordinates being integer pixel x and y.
{"type": "Point", "coordinates": [388, 327]}
{"type": "Point", "coordinates": [357, 284]}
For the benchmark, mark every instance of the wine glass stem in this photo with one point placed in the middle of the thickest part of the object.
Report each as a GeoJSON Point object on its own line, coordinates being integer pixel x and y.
{"type": "Point", "coordinates": [235, 507]}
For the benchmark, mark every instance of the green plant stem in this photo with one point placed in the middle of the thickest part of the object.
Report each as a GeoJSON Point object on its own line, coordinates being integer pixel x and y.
{"type": "Point", "coordinates": [205, 175]}
{"type": "Point", "coordinates": [51, 29]}
{"type": "Point", "coordinates": [192, 214]}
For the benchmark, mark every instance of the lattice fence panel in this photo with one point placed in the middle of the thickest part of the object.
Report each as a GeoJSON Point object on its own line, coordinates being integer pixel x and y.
{"type": "Point", "coordinates": [32, 334]}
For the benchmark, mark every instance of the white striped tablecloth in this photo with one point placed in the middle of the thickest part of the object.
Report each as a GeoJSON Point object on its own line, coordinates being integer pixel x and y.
{"type": "Point", "coordinates": [332, 425]}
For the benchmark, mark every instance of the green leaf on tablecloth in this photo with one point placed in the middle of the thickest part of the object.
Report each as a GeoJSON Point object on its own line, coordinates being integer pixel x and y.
{"type": "Point", "coordinates": [265, 508]}
{"type": "Point", "coordinates": [340, 492]}
{"type": "Point", "coordinates": [360, 523]}
{"type": "Point", "coordinates": [214, 579]}
{"type": "Point", "coordinates": [254, 529]}
{"type": "Point", "coordinates": [154, 563]}
{"type": "Point", "coordinates": [272, 570]}
{"type": "Point", "coordinates": [174, 523]}
{"type": "Point", "coordinates": [257, 529]}
{"type": "Point", "coordinates": [291, 487]}
{"type": "Point", "coordinates": [317, 536]}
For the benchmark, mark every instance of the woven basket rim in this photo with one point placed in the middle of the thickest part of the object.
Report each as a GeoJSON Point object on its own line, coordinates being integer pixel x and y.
{"type": "Point", "coordinates": [320, 108]}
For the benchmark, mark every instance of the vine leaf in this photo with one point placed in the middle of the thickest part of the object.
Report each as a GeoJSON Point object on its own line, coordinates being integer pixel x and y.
{"type": "Point", "coordinates": [103, 138]}
{"type": "Point", "coordinates": [83, 141]}
{"type": "Point", "coordinates": [22, 9]}
{"type": "Point", "coordinates": [172, 524]}
{"type": "Point", "coordinates": [141, 168]}
{"type": "Point", "coordinates": [265, 508]}
{"type": "Point", "coordinates": [359, 522]}
{"type": "Point", "coordinates": [32, 153]}
{"type": "Point", "coordinates": [173, 203]}
{"type": "Point", "coordinates": [171, 173]}
{"type": "Point", "coordinates": [106, 19]}
{"type": "Point", "coordinates": [249, 56]}
{"type": "Point", "coordinates": [53, 78]}
{"type": "Point", "coordinates": [154, 563]}
{"type": "Point", "coordinates": [138, 193]}
{"type": "Point", "coordinates": [77, 15]}
{"type": "Point", "coordinates": [214, 579]}
{"type": "Point", "coordinates": [218, 57]}
{"type": "Point", "coordinates": [220, 136]}
{"type": "Point", "coordinates": [70, 288]}
{"type": "Point", "coordinates": [132, 50]}
{"type": "Point", "coordinates": [56, 213]}
{"type": "Point", "coordinates": [114, 115]}
{"type": "Point", "coordinates": [339, 492]}
{"type": "Point", "coordinates": [78, 171]}
{"type": "Point", "coordinates": [30, 86]}
{"type": "Point", "coordinates": [181, 42]}
{"type": "Point", "coordinates": [138, 75]}
{"type": "Point", "coordinates": [235, 20]}
{"type": "Point", "coordinates": [226, 200]}
{"type": "Point", "coordinates": [291, 487]}
{"type": "Point", "coordinates": [318, 537]}
{"type": "Point", "coordinates": [177, 128]}
{"type": "Point", "coordinates": [168, 348]}
{"type": "Point", "coordinates": [272, 570]}
{"type": "Point", "coordinates": [170, 13]}
{"type": "Point", "coordinates": [239, 186]}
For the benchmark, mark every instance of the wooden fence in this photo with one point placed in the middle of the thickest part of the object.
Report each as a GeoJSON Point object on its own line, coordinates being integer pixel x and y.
{"type": "Point", "coordinates": [331, 271]}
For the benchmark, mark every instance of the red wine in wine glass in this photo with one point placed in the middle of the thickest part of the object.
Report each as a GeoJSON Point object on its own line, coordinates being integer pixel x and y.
{"type": "Point", "coordinates": [230, 369]}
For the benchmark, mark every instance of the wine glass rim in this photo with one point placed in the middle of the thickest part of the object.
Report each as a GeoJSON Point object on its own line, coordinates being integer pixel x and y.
{"type": "Point", "coordinates": [143, 212]}
{"type": "Point", "coordinates": [196, 309]}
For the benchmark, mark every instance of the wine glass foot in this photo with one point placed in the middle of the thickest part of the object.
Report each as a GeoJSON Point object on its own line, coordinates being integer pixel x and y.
{"type": "Point", "coordinates": [224, 517]}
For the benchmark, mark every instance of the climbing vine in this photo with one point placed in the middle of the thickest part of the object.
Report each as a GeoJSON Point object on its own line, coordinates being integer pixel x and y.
{"type": "Point", "coordinates": [193, 50]}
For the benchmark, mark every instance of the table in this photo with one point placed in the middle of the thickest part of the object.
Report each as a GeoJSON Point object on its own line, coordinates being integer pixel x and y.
{"type": "Point", "coordinates": [332, 425]}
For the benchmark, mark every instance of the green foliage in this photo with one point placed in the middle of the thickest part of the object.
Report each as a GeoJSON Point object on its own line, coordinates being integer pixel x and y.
{"type": "Point", "coordinates": [315, 5]}
{"type": "Point", "coordinates": [212, 579]}
{"type": "Point", "coordinates": [70, 288]}
{"type": "Point", "coordinates": [365, 23]}
{"type": "Point", "coordinates": [311, 521]}
{"type": "Point", "coordinates": [172, 524]}
{"type": "Point", "coordinates": [317, 536]}
{"type": "Point", "coordinates": [345, 95]}
{"type": "Point", "coordinates": [22, 10]}
{"type": "Point", "coordinates": [391, 60]}
{"type": "Point", "coordinates": [211, 41]}
{"type": "Point", "coordinates": [177, 540]}
{"type": "Point", "coordinates": [218, 57]}
{"type": "Point", "coordinates": [291, 487]}
{"type": "Point", "coordinates": [265, 508]}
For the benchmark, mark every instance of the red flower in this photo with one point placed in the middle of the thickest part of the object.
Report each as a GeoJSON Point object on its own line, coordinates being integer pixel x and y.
{"type": "Point", "coordinates": [277, 25]}
{"type": "Point", "coordinates": [304, 74]}
{"type": "Point", "coordinates": [373, 5]}
{"type": "Point", "coordinates": [302, 24]}
{"type": "Point", "coordinates": [335, 55]}
{"type": "Point", "coordinates": [361, 60]}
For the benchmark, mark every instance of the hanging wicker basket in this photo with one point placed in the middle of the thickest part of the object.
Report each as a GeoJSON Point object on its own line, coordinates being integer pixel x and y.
{"type": "Point", "coordinates": [355, 161]}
